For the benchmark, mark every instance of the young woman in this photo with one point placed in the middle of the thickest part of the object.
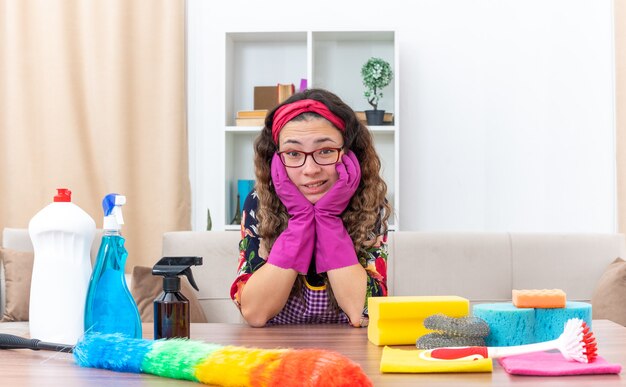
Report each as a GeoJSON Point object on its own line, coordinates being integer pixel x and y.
{"type": "Point", "coordinates": [314, 229]}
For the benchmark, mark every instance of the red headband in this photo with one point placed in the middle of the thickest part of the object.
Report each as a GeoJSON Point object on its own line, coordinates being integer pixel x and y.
{"type": "Point", "coordinates": [287, 112]}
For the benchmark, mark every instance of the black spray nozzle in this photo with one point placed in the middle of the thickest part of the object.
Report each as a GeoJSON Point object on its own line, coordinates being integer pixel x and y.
{"type": "Point", "coordinates": [172, 267]}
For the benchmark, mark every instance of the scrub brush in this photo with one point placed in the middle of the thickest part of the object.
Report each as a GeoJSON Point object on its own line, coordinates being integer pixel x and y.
{"type": "Point", "coordinates": [453, 332]}
{"type": "Point", "coordinates": [575, 343]}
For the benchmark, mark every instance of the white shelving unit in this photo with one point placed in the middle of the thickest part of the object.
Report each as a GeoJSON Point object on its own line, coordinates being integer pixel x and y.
{"type": "Point", "coordinates": [327, 59]}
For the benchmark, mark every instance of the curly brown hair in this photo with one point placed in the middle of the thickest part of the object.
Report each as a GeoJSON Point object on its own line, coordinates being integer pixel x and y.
{"type": "Point", "coordinates": [362, 217]}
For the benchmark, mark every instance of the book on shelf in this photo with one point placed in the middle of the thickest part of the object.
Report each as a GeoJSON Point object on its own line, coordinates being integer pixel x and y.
{"type": "Point", "coordinates": [252, 113]}
{"type": "Point", "coordinates": [268, 97]}
{"type": "Point", "coordinates": [253, 121]}
{"type": "Point", "coordinates": [265, 97]}
{"type": "Point", "coordinates": [285, 91]}
{"type": "Point", "coordinates": [387, 120]}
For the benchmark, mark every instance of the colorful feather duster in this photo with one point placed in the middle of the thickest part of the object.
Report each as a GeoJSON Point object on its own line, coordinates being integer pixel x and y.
{"type": "Point", "coordinates": [219, 365]}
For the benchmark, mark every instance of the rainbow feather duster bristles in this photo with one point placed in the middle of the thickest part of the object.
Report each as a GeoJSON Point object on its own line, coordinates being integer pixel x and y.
{"type": "Point", "coordinates": [219, 365]}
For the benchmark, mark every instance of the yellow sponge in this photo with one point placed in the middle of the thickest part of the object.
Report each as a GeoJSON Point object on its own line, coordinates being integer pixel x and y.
{"type": "Point", "coordinates": [399, 320]}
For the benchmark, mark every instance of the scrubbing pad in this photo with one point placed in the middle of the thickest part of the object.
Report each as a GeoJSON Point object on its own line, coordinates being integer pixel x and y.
{"type": "Point", "coordinates": [469, 326]}
{"type": "Point", "coordinates": [509, 325]}
{"type": "Point", "coordinates": [549, 322]}
{"type": "Point", "coordinates": [453, 332]}
{"type": "Point", "coordinates": [539, 298]}
{"type": "Point", "coordinates": [438, 340]}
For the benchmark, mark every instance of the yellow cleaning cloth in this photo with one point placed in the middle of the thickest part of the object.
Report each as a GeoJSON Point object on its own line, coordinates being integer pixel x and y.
{"type": "Point", "coordinates": [416, 361]}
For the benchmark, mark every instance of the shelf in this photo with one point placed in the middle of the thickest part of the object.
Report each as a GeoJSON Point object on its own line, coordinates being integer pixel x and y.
{"type": "Point", "coordinates": [261, 59]}
{"type": "Point", "coordinates": [327, 59]}
{"type": "Point", "coordinates": [266, 37]}
{"type": "Point", "coordinates": [354, 36]}
{"type": "Point", "coordinates": [243, 129]}
{"type": "Point", "coordinates": [382, 129]}
{"type": "Point", "coordinates": [337, 60]}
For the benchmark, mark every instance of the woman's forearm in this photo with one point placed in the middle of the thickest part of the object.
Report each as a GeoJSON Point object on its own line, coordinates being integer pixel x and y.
{"type": "Point", "coordinates": [266, 293]}
{"type": "Point", "coordinates": [349, 286]}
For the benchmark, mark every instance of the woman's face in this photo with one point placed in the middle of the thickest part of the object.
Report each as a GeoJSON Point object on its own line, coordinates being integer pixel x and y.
{"type": "Point", "coordinates": [313, 180]}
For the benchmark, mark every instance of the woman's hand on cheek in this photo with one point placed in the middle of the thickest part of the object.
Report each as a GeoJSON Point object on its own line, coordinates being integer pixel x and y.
{"type": "Point", "coordinates": [293, 249]}
{"type": "Point", "coordinates": [286, 190]}
{"type": "Point", "coordinates": [334, 247]}
{"type": "Point", "coordinates": [335, 201]}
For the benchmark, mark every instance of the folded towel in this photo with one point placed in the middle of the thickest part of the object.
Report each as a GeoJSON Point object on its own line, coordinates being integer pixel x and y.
{"type": "Point", "coordinates": [554, 364]}
{"type": "Point", "coordinates": [410, 361]}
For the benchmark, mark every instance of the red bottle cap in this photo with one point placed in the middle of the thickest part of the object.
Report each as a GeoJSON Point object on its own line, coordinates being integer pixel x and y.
{"type": "Point", "coordinates": [63, 195]}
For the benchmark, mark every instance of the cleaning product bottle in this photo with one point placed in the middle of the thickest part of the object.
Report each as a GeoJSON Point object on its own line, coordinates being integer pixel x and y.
{"type": "Point", "coordinates": [110, 308]}
{"type": "Point", "coordinates": [171, 308]}
{"type": "Point", "coordinates": [62, 234]}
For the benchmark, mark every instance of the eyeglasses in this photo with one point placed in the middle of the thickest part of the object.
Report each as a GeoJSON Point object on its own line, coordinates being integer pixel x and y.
{"type": "Point", "coordinates": [324, 156]}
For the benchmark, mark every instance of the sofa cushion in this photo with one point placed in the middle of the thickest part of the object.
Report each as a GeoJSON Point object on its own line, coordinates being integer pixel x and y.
{"type": "Point", "coordinates": [572, 262]}
{"type": "Point", "coordinates": [146, 287]}
{"type": "Point", "coordinates": [18, 267]}
{"type": "Point", "coordinates": [476, 266]}
{"type": "Point", "coordinates": [608, 296]}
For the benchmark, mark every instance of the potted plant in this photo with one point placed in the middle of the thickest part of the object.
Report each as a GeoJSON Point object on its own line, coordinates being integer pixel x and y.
{"type": "Point", "coordinates": [376, 74]}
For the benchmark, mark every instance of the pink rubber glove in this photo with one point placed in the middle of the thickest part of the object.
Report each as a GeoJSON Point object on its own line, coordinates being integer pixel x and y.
{"type": "Point", "coordinates": [334, 247]}
{"type": "Point", "coordinates": [293, 249]}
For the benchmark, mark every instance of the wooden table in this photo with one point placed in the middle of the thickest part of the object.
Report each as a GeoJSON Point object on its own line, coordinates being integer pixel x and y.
{"type": "Point", "coordinates": [43, 368]}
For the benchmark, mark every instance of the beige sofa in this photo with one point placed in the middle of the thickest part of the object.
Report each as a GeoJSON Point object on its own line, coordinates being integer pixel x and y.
{"type": "Point", "coordinates": [481, 267]}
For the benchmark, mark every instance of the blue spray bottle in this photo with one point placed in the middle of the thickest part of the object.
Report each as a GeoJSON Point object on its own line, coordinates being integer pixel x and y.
{"type": "Point", "coordinates": [110, 308]}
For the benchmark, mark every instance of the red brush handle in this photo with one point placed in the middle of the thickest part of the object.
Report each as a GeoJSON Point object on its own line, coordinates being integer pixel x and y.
{"type": "Point", "coordinates": [457, 353]}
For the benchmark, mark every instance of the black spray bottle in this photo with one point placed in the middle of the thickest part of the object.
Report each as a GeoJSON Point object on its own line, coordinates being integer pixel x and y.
{"type": "Point", "coordinates": [171, 308]}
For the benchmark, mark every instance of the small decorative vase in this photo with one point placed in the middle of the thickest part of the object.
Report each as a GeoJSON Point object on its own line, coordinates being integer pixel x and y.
{"type": "Point", "coordinates": [374, 117]}
{"type": "Point", "coordinates": [237, 217]}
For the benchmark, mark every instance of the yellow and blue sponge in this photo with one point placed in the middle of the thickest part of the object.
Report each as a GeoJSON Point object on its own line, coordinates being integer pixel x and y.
{"type": "Point", "coordinates": [516, 326]}
{"type": "Point", "coordinates": [551, 321]}
{"type": "Point", "coordinates": [508, 325]}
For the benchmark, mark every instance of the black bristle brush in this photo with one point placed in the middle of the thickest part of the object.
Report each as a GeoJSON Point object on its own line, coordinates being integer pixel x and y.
{"type": "Point", "coordinates": [16, 342]}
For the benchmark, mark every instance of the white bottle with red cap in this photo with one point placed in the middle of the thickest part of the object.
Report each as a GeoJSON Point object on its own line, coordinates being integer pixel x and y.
{"type": "Point", "coordinates": [62, 234]}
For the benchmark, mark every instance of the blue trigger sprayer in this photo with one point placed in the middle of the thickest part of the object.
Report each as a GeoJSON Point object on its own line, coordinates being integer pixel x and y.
{"type": "Point", "coordinates": [110, 308]}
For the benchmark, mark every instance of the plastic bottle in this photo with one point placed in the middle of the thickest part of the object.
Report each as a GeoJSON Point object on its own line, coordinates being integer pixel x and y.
{"type": "Point", "coordinates": [62, 234]}
{"type": "Point", "coordinates": [171, 308]}
{"type": "Point", "coordinates": [110, 308]}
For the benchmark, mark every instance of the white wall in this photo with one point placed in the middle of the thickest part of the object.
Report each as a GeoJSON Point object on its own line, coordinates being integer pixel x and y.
{"type": "Point", "coordinates": [507, 106]}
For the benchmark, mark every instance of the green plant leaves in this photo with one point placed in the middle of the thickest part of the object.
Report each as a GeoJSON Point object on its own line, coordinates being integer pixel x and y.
{"type": "Point", "coordinates": [376, 74]}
